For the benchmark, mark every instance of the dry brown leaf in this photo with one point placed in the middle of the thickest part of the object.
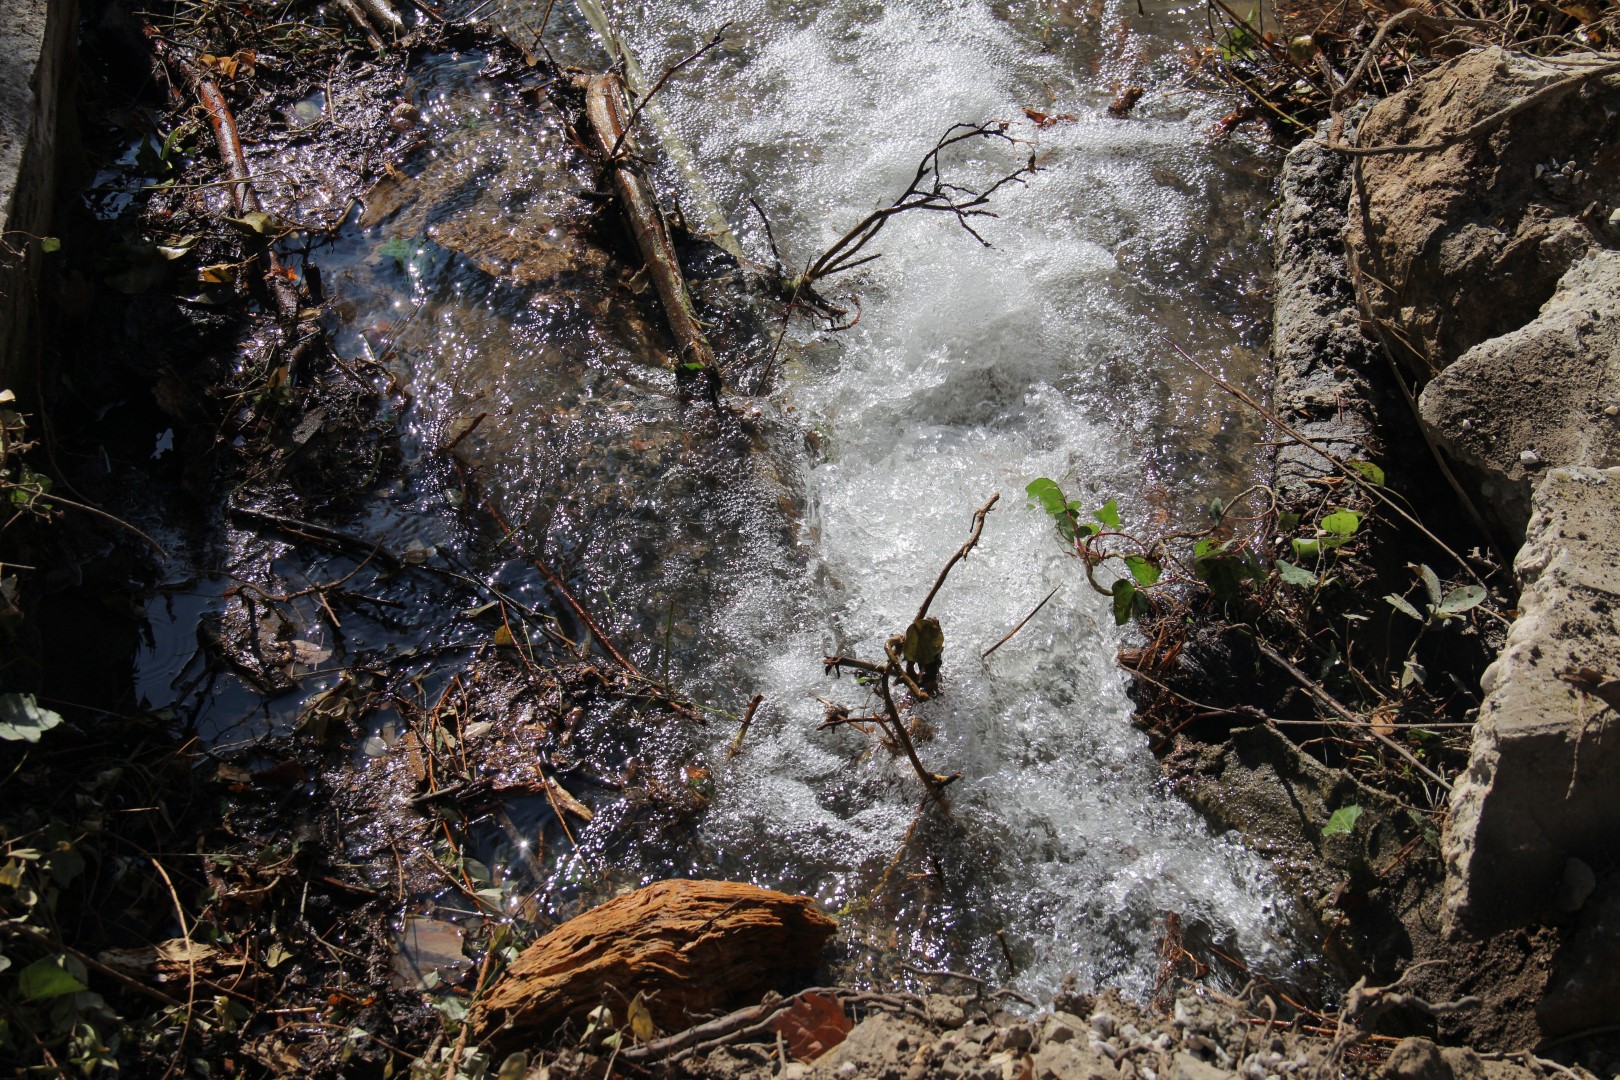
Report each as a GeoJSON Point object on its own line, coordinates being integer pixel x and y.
{"type": "Point", "coordinates": [814, 1024]}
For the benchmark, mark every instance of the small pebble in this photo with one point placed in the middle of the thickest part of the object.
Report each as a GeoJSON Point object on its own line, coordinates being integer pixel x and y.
{"type": "Point", "coordinates": [1103, 1024]}
{"type": "Point", "coordinates": [1529, 458]}
{"type": "Point", "coordinates": [1611, 410]}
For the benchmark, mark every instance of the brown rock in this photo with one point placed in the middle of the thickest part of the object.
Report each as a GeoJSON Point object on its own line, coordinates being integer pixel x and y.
{"type": "Point", "coordinates": [689, 947]}
{"type": "Point", "coordinates": [1518, 405]}
{"type": "Point", "coordinates": [1453, 246]}
{"type": "Point", "coordinates": [1416, 1059]}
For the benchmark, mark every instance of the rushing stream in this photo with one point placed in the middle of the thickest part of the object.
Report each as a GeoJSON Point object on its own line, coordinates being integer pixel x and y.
{"type": "Point", "coordinates": [817, 525]}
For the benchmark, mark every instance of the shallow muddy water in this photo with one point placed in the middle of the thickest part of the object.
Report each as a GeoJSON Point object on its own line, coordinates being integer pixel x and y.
{"type": "Point", "coordinates": [810, 517]}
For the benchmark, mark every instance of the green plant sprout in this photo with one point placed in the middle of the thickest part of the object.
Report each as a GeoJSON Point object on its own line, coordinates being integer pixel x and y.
{"type": "Point", "coordinates": [1098, 537]}
{"type": "Point", "coordinates": [1440, 607]}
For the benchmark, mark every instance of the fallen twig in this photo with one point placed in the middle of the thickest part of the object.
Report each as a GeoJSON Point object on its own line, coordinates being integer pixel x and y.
{"type": "Point", "coordinates": [927, 191]}
{"type": "Point", "coordinates": [604, 107]}
{"type": "Point", "coordinates": [1020, 626]}
{"type": "Point", "coordinates": [1333, 459]}
{"type": "Point", "coordinates": [961, 553]}
{"type": "Point", "coordinates": [635, 114]}
{"type": "Point", "coordinates": [1317, 691]}
{"type": "Point", "coordinates": [308, 530]}
{"type": "Point", "coordinates": [742, 730]}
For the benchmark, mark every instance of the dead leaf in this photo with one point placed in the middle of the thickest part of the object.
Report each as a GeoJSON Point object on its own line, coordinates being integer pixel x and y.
{"type": "Point", "coordinates": [1046, 120]}
{"type": "Point", "coordinates": [1125, 102]}
{"type": "Point", "coordinates": [566, 801]}
{"type": "Point", "coordinates": [289, 773]}
{"type": "Point", "coordinates": [640, 1020]}
{"type": "Point", "coordinates": [428, 950]}
{"type": "Point", "coordinates": [217, 274]}
{"type": "Point", "coordinates": [812, 1025]}
{"type": "Point", "coordinates": [308, 652]}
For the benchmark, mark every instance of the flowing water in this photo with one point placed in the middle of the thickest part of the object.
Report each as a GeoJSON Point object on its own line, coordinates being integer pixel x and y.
{"type": "Point", "coordinates": [739, 551]}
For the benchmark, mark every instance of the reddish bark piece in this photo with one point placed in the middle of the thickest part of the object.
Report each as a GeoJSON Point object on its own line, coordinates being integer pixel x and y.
{"type": "Point", "coordinates": [812, 1026]}
{"type": "Point", "coordinates": [690, 947]}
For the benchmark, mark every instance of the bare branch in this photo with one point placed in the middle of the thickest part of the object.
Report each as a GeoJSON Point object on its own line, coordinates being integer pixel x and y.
{"type": "Point", "coordinates": [927, 191]}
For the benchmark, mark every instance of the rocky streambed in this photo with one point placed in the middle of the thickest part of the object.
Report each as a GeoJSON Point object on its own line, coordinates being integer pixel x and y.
{"type": "Point", "coordinates": [390, 840]}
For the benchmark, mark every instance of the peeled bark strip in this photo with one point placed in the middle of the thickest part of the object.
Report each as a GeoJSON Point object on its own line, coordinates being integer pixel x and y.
{"type": "Point", "coordinates": [604, 108]}
{"type": "Point", "coordinates": [690, 947]}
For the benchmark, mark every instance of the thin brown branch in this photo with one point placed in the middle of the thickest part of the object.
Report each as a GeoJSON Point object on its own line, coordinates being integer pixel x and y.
{"type": "Point", "coordinates": [742, 729]}
{"type": "Point", "coordinates": [1333, 459]}
{"type": "Point", "coordinates": [1317, 691]}
{"type": "Point", "coordinates": [1480, 127]}
{"type": "Point", "coordinates": [927, 191]}
{"type": "Point", "coordinates": [961, 553]}
{"type": "Point", "coordinates": [689, 58]}
{"type": "Point", "coordinates": [1036, 611]}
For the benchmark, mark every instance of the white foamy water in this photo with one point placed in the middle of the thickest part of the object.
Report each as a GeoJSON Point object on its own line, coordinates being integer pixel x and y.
{"type": "Point", "coordinates": [973, 370]}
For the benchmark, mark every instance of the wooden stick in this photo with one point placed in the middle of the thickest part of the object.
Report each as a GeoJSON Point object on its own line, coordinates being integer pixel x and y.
{"type": "Point", "coordinates": [748, 718]}
{"type": "Point", "coordinates": [357, 15]}
{"type": "Point", "coordinates": [1020, 625]}
{"type": "Point", "coordinates": [605, 109]}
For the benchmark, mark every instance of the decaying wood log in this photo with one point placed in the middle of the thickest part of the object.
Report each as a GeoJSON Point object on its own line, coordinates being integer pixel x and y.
{"type": "Point", "coordinates": [690, 947]}
{"type": "Point", "coordinates": [605, 109]}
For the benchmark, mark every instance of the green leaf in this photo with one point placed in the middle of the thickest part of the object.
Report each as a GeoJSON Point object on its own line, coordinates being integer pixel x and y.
{"type": "Point", "coordinates": [1431, 584]}
{"type": "Point", "coordinates": [1460, 600]}
{"type": "Point", "coordinates": [1369, 472]}
{"type": "Point", "coordinates": [1295, 575]}
{"type": "Point", "coordinates": [1399, 604]}
{"type": "Point", "coordinates": [1287, 522]}
{"type": "Point", "coordinates": [1050, 496]}
{"type": "Point", "coordinates": [48, 978]}
{"type": "Point", "coordinates": [1144, 570]}
{"type": "Point", "coordinates": [50, 245]}
{"type": "Point", "coordinates": [22, 720]}
{"type": "Point", "coordinates": [1341, 523]}
{"type": "Point", "coordinates": [1307, 549]}
{"type": "Point", "coordinates": [1124, 600]}
{"type": "Point", "coordinates": [1217, 509]}
{"type": "Point", "coordinates": [1108, 514]}
{"type": "Point", "coordinates": [1343, 820]}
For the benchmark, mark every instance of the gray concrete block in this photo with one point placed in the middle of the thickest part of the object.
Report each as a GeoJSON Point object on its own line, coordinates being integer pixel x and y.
{"type": "Point", "coordinates": [1540, 786]}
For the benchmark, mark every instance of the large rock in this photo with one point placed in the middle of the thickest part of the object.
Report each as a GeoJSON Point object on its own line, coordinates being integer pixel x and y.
{"type": "Point", "coordinates": [1545, 395]}
{"type": "Point", "coordinates": [1452, 247]}
{"type": "Point", "coordinates": [1540, 786]}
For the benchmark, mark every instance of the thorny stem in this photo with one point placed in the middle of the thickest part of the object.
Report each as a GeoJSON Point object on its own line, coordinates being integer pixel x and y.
{"type": "Point", "coordinates": [1317, 691]}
